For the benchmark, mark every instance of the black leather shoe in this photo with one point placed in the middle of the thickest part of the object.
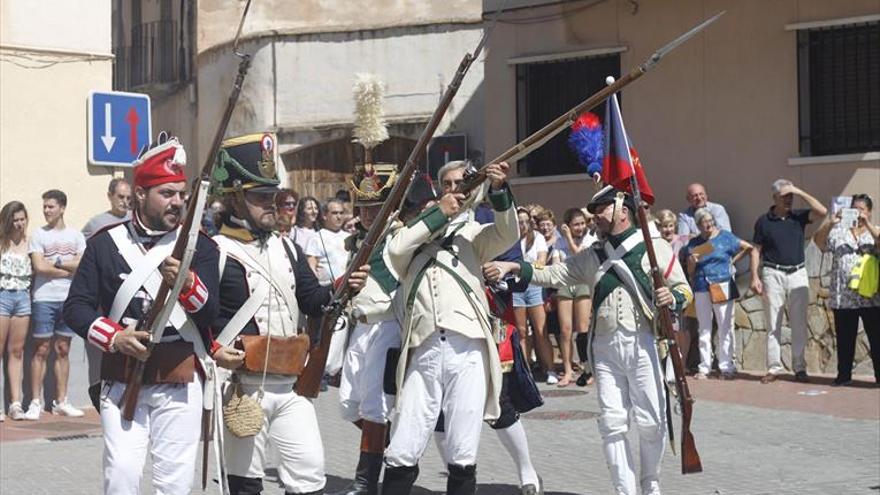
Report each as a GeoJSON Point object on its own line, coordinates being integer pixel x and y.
{"type": "Point", "coordinates": [462, 480]}
{"type": "Point", "coordinates": [366, 476]}
{"type": "Point", "coordinates": [399, 480]}
{"type": "Point", "coordinates": [584, 379]}
{"type": "Point", "coordinates": [841, 382]}
{"type": "Point", "coordinates": [801, 376]}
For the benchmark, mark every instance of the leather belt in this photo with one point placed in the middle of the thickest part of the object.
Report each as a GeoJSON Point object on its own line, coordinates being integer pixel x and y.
{"type": "Point", "coordinates": [784, 268]}
{"type": "Point", "coordinates": [170, 362]}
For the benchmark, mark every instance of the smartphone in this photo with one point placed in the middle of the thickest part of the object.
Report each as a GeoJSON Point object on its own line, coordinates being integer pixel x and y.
{"type": "Point", "coordinates": [849, 217]}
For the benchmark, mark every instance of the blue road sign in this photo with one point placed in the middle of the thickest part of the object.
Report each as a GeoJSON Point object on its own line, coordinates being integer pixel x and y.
{"type": "Point", "coordinates": [119, 126]}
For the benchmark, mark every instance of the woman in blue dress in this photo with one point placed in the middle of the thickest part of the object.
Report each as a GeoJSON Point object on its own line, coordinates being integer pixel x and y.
{"type": "Point", "coordinates": [710, 257]}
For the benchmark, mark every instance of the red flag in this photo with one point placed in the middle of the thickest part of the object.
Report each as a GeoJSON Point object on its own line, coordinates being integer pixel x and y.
{"type": "Point", "coordinates": [621, 159]}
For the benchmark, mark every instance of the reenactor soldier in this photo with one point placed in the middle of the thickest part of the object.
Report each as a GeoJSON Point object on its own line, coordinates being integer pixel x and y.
{"type": "Point", "coordinates": [117, 279]}
{"type": "Point", "coordinates": [624, 352]}
{"type": "Point", "coordinates": [362, 394]}
{"type": "Point", "coordinates": [449, 360]}
{"type": "Point", "coordinates": [265, 283]}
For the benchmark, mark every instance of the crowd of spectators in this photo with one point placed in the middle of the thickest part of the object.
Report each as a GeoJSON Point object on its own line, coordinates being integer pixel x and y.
{"type": "Point", "coordinates": [35, 275]}
{"type": "Point", "coordinates": [708, 249]}
{"type": "Point", "coordinates": [36, 270]}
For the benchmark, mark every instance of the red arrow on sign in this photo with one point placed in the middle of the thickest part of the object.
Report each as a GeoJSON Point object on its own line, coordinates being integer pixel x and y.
{"type": "Point", "coordinates": [132, 119]}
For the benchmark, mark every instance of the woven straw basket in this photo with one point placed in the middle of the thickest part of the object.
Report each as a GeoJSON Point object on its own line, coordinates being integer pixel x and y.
{"type": "Point", "coordinates": [242, 415]}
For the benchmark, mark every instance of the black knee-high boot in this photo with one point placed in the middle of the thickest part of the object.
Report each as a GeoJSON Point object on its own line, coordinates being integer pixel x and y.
{"type": "Point", "coordinates": [239, 485]}
{"type": "Point", "coordinates": [580, 342]}
{"type": "Point", "coordinates": [366, 476]}
{"type": "Point", "coordinates": [462, 480]}
{"type": "Point", "coordinates": [399, 480]}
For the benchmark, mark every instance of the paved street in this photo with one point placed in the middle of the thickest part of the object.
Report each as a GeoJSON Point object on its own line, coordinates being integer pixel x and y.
{"type": "Point", "coordinates": [753, 439]}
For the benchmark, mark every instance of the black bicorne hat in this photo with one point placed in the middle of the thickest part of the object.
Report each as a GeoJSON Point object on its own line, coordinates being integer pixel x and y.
{"type": "Point", "coordinates": [607, 195]}
{"type": "Point", "coordinates": [421, 191]}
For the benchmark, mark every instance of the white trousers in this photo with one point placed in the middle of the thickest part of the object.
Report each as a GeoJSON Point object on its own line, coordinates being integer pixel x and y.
{"type": "Point", "coordinates": [361, 391]}
{"type": "Point", "coordinates": [793, 290]}
{"type": "Point", "coordinates": [289, 422]}
{"type": "Point", "coordinates": [167, 422]}
{"type": "Point", "coordinates": [446, 372]}
{"type": "Point", "coordinates": [628, 380]}
{"type": "Point", "coordinates": [726, 341]}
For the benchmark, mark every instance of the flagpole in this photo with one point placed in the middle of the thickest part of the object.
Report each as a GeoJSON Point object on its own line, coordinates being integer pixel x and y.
{"type": "Point", "coordinates": [690, 458]}
{"type": "Point", "coordinates": [637, 195]}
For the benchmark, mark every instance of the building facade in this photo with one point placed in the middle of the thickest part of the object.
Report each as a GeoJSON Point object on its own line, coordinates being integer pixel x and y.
{"type": "Point", "coordinates": [305, 56]}
{"type": "Point", "coordinates": [52, 53]}
{"type": "Point", "coordinates": [778, 89]}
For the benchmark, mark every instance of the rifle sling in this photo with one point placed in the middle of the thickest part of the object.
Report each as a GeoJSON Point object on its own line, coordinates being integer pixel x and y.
{"type": "Point", "coordinates": [469, 292]}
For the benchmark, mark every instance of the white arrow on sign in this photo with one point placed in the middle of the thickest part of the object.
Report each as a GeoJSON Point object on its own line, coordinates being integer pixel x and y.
{"type": "Point", "coordinates": [108, 138]}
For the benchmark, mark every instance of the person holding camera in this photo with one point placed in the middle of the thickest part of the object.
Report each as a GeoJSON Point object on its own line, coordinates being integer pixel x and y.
{"type": "Point", "coordinates": [849, 243]}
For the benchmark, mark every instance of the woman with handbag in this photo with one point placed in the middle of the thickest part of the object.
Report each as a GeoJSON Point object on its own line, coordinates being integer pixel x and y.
{"type": "Point", "coordinates": [710, 256]}
{"type": "Point", "coordinates": [851, 246]}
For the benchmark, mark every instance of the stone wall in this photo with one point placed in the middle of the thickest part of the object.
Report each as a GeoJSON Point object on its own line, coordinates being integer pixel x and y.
{"type": "Point", "coordinates": [821, 351]}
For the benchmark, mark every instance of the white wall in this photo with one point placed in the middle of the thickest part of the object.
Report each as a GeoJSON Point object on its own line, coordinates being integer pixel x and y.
{"type": "Point", "coordinates": [218, 19]}
{"type": "Point", "coordinates": [43, 103]}
{"type": "Point", "coordinates": [307, 81]}
{"type": "Point", "coordinates": [82, 26]}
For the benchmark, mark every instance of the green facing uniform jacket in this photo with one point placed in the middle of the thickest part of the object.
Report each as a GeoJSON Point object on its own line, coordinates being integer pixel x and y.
{"type": "Point", "coordinates": [373, 303]}
{"type": "Point", "coordinates": [442, 283]}
{"type": "Point", "coordinates": [613, 305]}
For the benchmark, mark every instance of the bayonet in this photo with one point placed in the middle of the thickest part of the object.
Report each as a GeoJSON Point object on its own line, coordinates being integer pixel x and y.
{"type": "Point", "coordinates": [546, 133]}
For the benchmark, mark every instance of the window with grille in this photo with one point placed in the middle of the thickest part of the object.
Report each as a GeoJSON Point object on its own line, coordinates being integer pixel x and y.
{"type": "Point", "coordinates": [544, 91]}
{"type": "Point", "coordinates": [839, 89]}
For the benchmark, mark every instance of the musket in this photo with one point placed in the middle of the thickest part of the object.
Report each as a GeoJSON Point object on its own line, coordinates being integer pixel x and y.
{"type": "Point", "coordinates": [184, 247]}
{"type": "Point", "coordinates": [546, 133]}
{"type": "Point", "coordinates": [690, 458]}
{"type": "Point", "coordinates": [309, 381]}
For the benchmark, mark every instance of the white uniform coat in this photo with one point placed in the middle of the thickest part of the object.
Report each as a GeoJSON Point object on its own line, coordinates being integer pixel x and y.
{"type": "Point", "coordinates": [624, 355]}
{"type": "Point", "coordinates": [439, 300]}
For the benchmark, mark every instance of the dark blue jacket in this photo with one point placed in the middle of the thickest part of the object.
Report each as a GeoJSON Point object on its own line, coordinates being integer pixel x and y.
{"type": "Point", "coordinates": [100, 274]}
{"type": "Point", "coordinates": [484, 214]}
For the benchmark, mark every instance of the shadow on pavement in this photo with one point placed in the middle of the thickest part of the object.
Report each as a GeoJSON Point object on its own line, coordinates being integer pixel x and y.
{"type": "Point", "coordinates": [335, 483]}
{"type": "Point", "coordinates": [857, 382]}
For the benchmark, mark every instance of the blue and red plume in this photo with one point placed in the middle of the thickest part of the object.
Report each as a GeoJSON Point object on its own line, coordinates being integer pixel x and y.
{"type": "Point", "coordinates": [588, 142]}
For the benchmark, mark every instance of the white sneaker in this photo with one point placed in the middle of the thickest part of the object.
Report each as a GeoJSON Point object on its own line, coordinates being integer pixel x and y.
{"type": "Point", "coordinates": [552, 379]}
{"type": "Point", "coordinates": [651, 488]}
{"type": "Point", "coordinates": [16, 413]}
{"type": "Point", "coordinates": [2, 417]}
{"type": "Point", "coordinates": [34, 410]}
{"type": "Point", "coordinates": [66, 409]}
